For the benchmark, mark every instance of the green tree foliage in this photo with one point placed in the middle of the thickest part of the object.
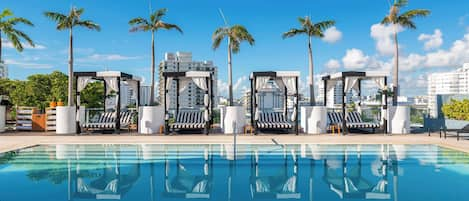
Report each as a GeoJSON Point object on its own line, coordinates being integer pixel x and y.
{"type": "Point", "coordinates": [40, 89]}
{"type": "Point", "coordinates": [456, 109]}
{"type": "Point", "coordinates": [93, 95]}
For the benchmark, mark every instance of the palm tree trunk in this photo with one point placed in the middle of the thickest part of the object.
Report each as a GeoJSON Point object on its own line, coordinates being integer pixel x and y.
{"type": "Point", "coordinates": [152, 90]}
{"type": "Point", "coordinates": [395, 75]}
{"type": "Point", "coordinates": [230, 75]}
{"type": "Point", "coordinates": [311, 73]}
{"type": "Point", "coordinates": [70, 71]}
{"type": "Point", "coordinates": [1, 47]}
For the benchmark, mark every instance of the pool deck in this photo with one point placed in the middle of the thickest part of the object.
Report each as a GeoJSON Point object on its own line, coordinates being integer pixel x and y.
{"type": "Point", "coordinates": [13, 141]}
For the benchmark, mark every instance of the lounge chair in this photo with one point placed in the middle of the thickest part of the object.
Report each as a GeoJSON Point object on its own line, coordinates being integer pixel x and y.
{"type": "Point", "coordinates": [459, 131]}
{"type": "Point", "coordinates": [354, 121]}
{"type": "Point", "coordinates": [273, 120]}
{"type": "Point", "coordinates": [107, 121]}
{"type": "Point", "coordinates": [189, 120]}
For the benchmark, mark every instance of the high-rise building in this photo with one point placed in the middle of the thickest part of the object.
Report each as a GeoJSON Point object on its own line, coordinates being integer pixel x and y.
{"type": "Point", "coordinates": [192, 96]}
{"type": "Point", "coordinates": [447, 83]}
{"type": "Point", "coordinates": [334, 95]}
{"type": "Point", "coordinates": [3, 70]}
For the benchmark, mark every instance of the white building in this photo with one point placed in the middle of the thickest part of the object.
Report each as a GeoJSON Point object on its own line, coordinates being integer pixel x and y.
{"type": "Point", "coordinates": [3, 70]}
{"type": "Point", "coordinates": [127, 98]}
{"type": "Point", "coordinates": [447, 83]}
{"type": "Point", "coordinates": [334, 95]}
{"type": "Point", "coordinates": [192, 96]}
{"type": "Point", "coordinates": [145, 95]}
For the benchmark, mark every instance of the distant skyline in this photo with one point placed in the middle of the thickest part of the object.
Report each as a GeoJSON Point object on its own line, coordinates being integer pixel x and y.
{"type": "Point", "coordinates": [357, 42]}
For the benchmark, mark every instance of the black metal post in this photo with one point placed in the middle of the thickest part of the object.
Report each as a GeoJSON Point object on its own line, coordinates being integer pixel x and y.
{"type": "Point", "coordinates": [385, 106]}
{"type": "Point", "coordinates": [211, 98]}
{"type": "Point", "coordinates": [325, 93]}
{"type": "Point", "coordinates": [77, 107]}
{"type": "Point", "coordinates": [177, 97]}
{"type": "Point", "coordinates": [137, 104]}
{"type": "Point", "coordinates": [118, 109]}
{"type": "Point", "coordinates": [344, 119]}
{"type": "Point", "coordinates": [254, 106]}
{"type": "Point", "coordinates": [105, 96]}
{"type": "Point", "coordinates": [207, 123]}
{"type": "Point", "coordinates": [165, 107]}
{"type": "Point", "coordinates": [285, 102]}
{"type": "Point", "coordinates": [296, 105]}
{"type": "Point", "coordinates": [251, 102]}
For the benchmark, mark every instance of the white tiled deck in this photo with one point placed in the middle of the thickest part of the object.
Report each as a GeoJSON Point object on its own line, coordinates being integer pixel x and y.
{"type": "Point", "coordinates": [14, 141]}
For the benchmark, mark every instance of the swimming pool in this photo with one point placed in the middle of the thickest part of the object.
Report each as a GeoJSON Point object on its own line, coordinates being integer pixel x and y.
{"type": "Point", "coordinates": [228, 172]}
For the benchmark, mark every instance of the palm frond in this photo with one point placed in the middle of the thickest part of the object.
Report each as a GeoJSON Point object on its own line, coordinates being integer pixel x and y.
{"type": "Point", "coordinates": [168, 26]}
{"type": "Point", "coordinates": [158, 15]}
{"type": "Point", "coordinates": [15, 40]}
{"type": "Point", "coordinates": [242, 34]}
{"type": "Point", "coordinates": [138, 21]}
{"type": "Point", "coordinates": [88, 24]}
{"type": "Point", "coordinates": [406, 22]}
{"type": "Point", "coordinates": [322, 26]}
{"type": "Point", "coordinates": [293, 32]}
{"type": "Point", "coordinates": [22, 35]}
{"type": "Point", "coordinates": [401, 3]}
{"type": "Point", "coordinates": [17, 20]}
{"type": "Point", "coordinates": [386, 20]}
{"type": "Point", "coordinates": [6, 13]}
{"type": "Point", "coordinates": [218, 36]}
{"type": "Point", "coordinates": [57, 17]}
{"type": "Point", "coordinates": [415, 13]}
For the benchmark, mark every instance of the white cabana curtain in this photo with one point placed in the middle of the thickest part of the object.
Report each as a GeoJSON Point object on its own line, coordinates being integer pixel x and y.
{"type": "Point", "coordinates": [290, 83]}
{"type": "Point", "coordinates": [183, 84]}
{"type": "Point", "coordinates": [280, 84]}
{"type": "Point", "coordinates": [112, 85]}
{"type": "Point", "coordinates": [202, 84]}
{"type": "Point", "coordinates": [82, 82]}
{"type": "Point", "coordinates": [295, 102]}
{"type": "Point", "coordinates": [351, 83]}
{"type": "Point", "coordinates": [169, 81]}
{"type": "Point", "coordinates": [256, 105]}
{"type": "Point", "coordinates": [261, 82]}
{"type": "Point", "coordinates": [380, 82]}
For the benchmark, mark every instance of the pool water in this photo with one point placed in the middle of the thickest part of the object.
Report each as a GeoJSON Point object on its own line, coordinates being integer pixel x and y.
{"type": "Point", "coordinates": [228, 172]}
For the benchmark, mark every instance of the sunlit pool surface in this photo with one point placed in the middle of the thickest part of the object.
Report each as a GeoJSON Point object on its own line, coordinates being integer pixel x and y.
{"type": "Point", "coordinates": [228, 172]}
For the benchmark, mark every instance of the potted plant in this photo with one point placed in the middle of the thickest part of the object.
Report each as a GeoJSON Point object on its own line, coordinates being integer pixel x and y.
{"type": "Point", "coordinates": [53, 103]}
{"type": "Point", "coordinates": [60, 103]}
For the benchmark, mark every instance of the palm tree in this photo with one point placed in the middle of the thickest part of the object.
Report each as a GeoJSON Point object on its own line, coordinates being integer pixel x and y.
{"type": "Point", "coordinates": [236, 34]}
{"type": "Point", "coordinates": [311, 30]}
{"type": "Point", "coordinates": [7, 27]}
{"type": "Point", "coordinates": [69, 22]}
{"type": "Point", "coordinates": [153, 24]}
{"type": "Point", "coordinates": [404, 20]}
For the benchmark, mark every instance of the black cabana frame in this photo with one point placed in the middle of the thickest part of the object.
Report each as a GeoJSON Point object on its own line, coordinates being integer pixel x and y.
{"type": "Point", "coordinates": [360, 76]}
{"type": "Point", "coordinates": [254, 91]}
{"type": "Point", "coordinates": [176, 76]}
{"type": "Point", "coordinates": [100, 76]}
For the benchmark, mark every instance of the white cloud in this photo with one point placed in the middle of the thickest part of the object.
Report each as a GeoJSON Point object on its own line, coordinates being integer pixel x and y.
{"type": "Point", "coordinates": [333, 64]}
{"type": "Point", "coordinates": [27, 65]}
{"type": "Point", "coordinates": [239, 87]}
{"type": "Point", "coordinates": [332, 35]}
{"type": "Point", "coordinates": [110, 57]}
{"type": "Point", "coordinates": [8, 44]}
{"type": "Point", "coordinates": [382, 34]}
{"type": "Point", "coordinates": [240, 84]}
{"type": "Point", "coordinates": [355, 59]}
{"type": "Point", "coordinates": [222, 88]}
{"type": "Point", "coordinates": [433, 41]}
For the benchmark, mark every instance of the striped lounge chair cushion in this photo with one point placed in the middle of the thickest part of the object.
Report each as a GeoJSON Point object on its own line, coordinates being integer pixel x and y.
{"type": "Point", "coordinates": [270, 120]}
{"type": "Point", "coordinates": [107, 120]}
{"type": "Point", "coordinates": [189, 120]}
{"type": "Point", "coordinates": [354, 120]}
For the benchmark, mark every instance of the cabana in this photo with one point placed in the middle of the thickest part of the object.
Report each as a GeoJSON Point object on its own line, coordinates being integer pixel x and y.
{"type": "Point", "coordinates": [112, 84]}
{"type": "Point", "coordinates": [189, 119]}
{"type": "Point", "coordinates": [353, 80]}
{"type": "Point", "coordinates": [287, 81]}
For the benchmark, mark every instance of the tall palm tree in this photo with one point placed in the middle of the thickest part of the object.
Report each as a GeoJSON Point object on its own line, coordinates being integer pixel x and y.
{"type": "Point", "coordinates": [7, 26]}
{"type": "Point", "coordinates": [235, 34]}
{"type": "Point", "coordinates": [69, 22]}
{"type": "Point", "coordinates": [404, 20]}
{"type": "Point", "coordinates": [153, 24]}
{"type": "Point", "coordinates": [311, 30]}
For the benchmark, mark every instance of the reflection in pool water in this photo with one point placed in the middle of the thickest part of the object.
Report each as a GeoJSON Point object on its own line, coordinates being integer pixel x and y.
{"type": "Point", "coordinates": [216, 172]}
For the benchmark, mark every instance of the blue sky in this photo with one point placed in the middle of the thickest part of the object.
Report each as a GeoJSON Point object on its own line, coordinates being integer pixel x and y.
{"type": "Point", "coordinates": [356, 43]}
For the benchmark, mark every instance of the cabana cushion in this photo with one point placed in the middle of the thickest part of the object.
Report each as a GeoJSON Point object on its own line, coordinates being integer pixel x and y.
{"type": "Point", "coordinates": [272, 120]}
{"type": "Point", "coordinates": [189, 120]}
{"type": "Point", "coordinates": [107, 120]}
{"type": "Point", "coordinates": [354, 120]}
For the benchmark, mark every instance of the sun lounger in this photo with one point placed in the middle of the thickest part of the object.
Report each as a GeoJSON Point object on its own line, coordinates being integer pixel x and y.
{"type": "Point", "coordinates": [354, 121]}
{"type": "Point", "coordinates": [273, 120]}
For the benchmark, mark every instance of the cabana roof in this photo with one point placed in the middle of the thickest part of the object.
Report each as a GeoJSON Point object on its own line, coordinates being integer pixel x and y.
{"type": "Point", "coordinates": [189, 74]}
{"type": "Point", "coordinates": [107, 74]}
{"type": "Point", "coordinates": [359, 74]}
{"type": "Point", "coordinates": [275, 74]}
